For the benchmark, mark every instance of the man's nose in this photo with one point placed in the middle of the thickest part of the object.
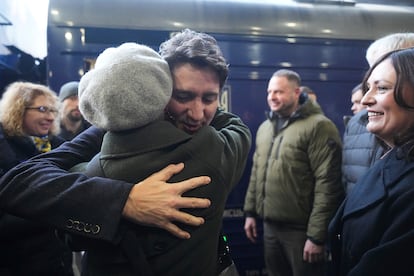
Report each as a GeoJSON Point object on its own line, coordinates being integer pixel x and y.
{"type": "Point", "coordinates": [196, 110]}
{"type": "Point", "coordinates": [353, 107]}
{"type": "Point", "coordinates": [272, 96]}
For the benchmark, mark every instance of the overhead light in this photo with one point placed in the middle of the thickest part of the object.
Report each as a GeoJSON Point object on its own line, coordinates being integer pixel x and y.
{"type": "Point", "coordinates": [285, 64]}
{"type": "Point", "coordinates": [54, 12]}
{"type": "Point", "coordinates": [68, 36]}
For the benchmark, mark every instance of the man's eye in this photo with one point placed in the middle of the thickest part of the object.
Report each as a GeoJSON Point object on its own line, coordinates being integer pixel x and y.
{"type": "Point", "coordinates": [182, 97]}
{"type": "Point", "coordinates": [210, 99]}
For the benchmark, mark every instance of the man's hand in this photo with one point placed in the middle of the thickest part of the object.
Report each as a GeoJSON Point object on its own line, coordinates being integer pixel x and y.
{"type": "Point", "coordinates": [250, 229]}
{"type": "Point", "coordinates": [154, 202]}
{"type": "Point", "coordinates": [313, 253]}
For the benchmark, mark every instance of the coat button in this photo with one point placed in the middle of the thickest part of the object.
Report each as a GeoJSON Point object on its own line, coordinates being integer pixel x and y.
{"type": "Point", "coordinates": [96, 229]}
{"type": "Point", "coordinates": [69, 223]}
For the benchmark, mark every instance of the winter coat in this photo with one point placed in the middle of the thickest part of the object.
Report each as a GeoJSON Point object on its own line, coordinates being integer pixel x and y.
{"type": "Point", "coordinates": [296, 173]}
{"type": "Point", "coordinates": [17, 149]}
{"type": "Point", "coordinates": [28, 247]}
{"type": "Point", "coordinates": [360, 150]}
{"type": "Point", "coordinates": [65, 198]}
{"type": "Point", "coordinates": [219, 152]}
{"type": "Point", "coordinates": [373, 231]}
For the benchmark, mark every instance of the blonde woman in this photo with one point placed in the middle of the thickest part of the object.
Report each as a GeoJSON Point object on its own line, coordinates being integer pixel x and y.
{"type": "Point", "coordinates": [28, 126]}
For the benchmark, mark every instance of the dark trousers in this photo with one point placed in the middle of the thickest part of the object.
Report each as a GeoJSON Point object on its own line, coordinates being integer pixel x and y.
{"type": "Point", "coordinates": [283, 250]}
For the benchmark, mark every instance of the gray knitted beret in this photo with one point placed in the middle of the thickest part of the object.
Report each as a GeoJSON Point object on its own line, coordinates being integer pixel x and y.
{"type": "Point", "coordinates": [128, 88]}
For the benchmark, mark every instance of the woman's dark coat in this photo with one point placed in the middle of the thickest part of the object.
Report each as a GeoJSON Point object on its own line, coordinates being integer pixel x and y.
{"type": "Point", "coordinates": [28, 247]}
{"type": "Point", "coordinates": [373, 230]}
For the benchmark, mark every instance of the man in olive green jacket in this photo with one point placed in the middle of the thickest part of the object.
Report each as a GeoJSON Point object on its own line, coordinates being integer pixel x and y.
{"type": "Point", "coordinates": [295, 184]}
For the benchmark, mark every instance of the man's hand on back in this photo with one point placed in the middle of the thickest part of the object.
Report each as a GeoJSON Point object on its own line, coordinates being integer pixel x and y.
{"type": "Point", "coordinates": [155, 202]}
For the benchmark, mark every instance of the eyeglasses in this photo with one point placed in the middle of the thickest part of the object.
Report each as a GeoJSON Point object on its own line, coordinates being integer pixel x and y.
{"type": "Point", "coordinates": [43, 109]}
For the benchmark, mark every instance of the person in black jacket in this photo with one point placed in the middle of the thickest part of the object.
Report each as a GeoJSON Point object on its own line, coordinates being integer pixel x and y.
{"type": "Point", "coordinates": [372, 232]}
{"type": "Point", "coordinates": [28, 127]}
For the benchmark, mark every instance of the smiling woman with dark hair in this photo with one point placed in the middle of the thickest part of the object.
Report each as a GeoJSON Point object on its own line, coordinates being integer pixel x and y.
{"type": "Point", "coordinates": [373, 231]}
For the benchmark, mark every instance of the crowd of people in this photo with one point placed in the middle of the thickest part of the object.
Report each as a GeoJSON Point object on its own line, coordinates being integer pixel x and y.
{"type": "Point", "coordinates": [133, 163]}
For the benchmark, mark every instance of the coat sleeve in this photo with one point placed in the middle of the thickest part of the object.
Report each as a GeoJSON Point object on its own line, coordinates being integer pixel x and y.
{"type": "Point", "coordinates": [253, 203]}
{"type": "Point", "coordinates": [236, 137]}
{"type": "Point", "coordinates": [8, 158]}
{"type": "Point", "coordinates": [325, 154]}
{"type": "Point", "coordinates": [42, 189]}
{"type": "Point", "coordinates": [249, 206]}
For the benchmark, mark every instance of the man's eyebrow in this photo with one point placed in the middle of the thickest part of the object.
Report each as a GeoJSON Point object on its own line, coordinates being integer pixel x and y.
{"type": "Point", "coordinates": [207, 93]}
{"type": "Point", "coordinates": [183, 91]}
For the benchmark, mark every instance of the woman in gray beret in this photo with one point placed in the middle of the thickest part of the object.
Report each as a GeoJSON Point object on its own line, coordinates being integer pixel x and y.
{"type": "Point", "coordinates": [127, 94]}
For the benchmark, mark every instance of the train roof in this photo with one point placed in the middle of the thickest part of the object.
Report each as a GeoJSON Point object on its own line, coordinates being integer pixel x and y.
{"type": "Point", "coordinates": [342, 19]}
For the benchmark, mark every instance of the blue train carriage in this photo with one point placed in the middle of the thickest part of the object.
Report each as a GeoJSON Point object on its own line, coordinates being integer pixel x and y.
{"type": "Point", "coordinates": [324, 43]}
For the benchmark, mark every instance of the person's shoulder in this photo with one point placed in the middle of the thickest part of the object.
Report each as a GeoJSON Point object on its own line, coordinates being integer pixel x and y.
{"type": "Point", "coordinates": [320, 125]}
{"type": "Point", "coordinates": [357, 124]}
{"type": "Point", "coordinates": [93, 130]}
{"type": "Point", "coordinates": [85, 124]}
{"type": "Point", "coordinates": [223, 118]}
{"type": "Point", "coordinates": [361, 117]}
{"type": "Point", "coordinates": [56, 141]}
{"type": "Point", "coordinates": [319, 119]}
{"type": "Point", "coordinates": [265, 124]}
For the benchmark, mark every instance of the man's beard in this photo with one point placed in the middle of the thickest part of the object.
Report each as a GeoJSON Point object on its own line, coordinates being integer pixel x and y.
{"type": "Point", "coordinates": [74, 118]}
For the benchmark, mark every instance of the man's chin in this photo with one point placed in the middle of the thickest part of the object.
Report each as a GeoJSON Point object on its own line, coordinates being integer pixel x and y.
{"type": "Point", "coordinates": [75, 118]}
{"type": "Point", "coordinates": [189, 129]}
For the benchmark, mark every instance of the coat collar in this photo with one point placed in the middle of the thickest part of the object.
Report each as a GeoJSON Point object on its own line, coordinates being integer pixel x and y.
{"type": "Point", "coordinates": [373, 187]}
{"type": "Point", "coordinates": [156, 135]}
